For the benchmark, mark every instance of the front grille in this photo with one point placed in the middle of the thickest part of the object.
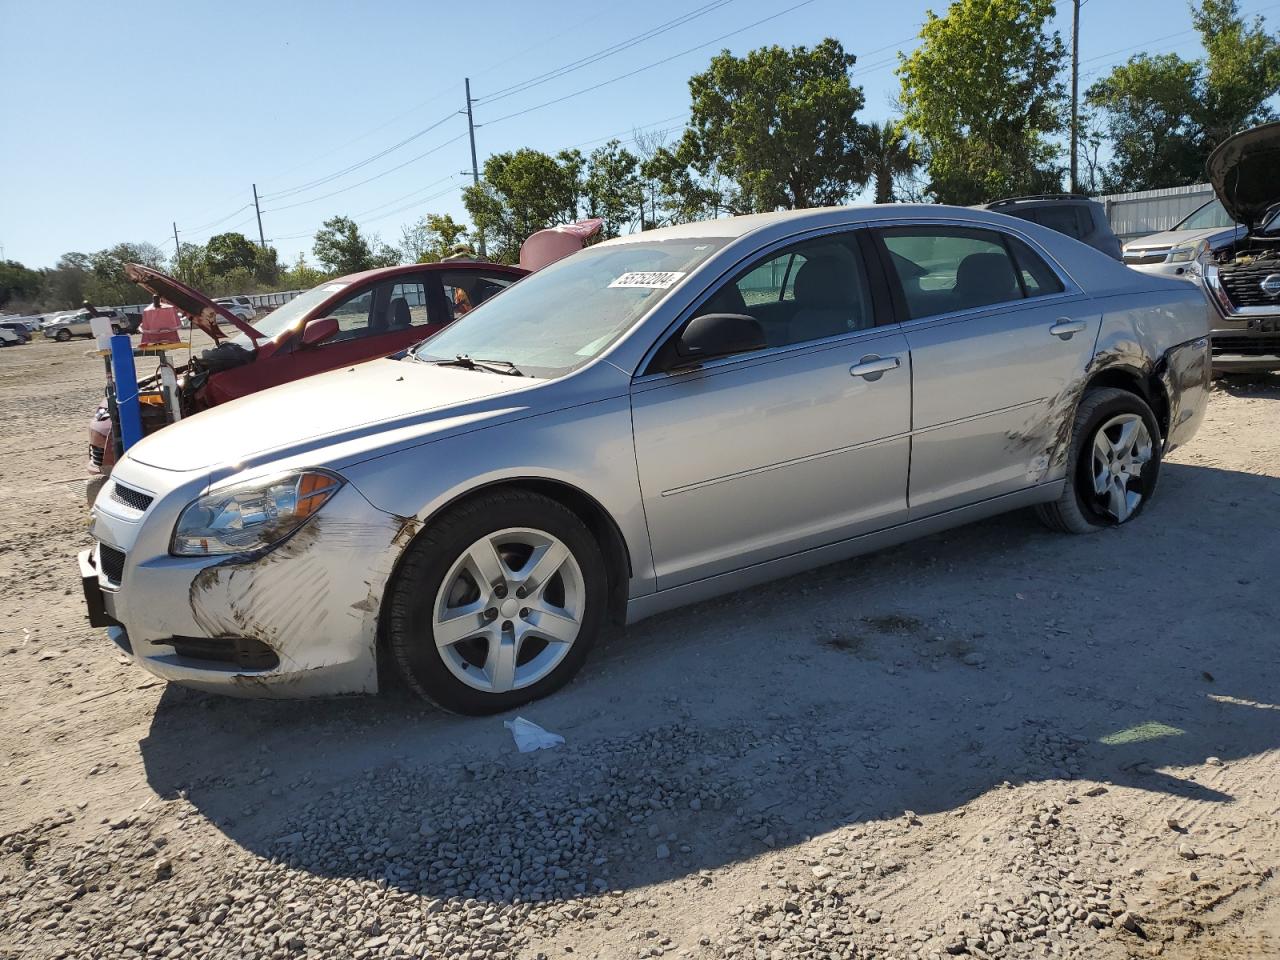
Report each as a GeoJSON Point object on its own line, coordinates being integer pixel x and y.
{"type": "Point", "coordinates": [1146, 256]}
{"type": "Point", "coordinates": [1266, 345]}
{"type": "Point", "coordinates": [247, 653]}
{"type": "Point", "coordinates": [95, 455]}
{"type": "Point", "coordinates": [111, 562]}
{"type": "Point", "coordinates": [134, 499]}
{"type": "Point", "coordinates": [1243, 283]}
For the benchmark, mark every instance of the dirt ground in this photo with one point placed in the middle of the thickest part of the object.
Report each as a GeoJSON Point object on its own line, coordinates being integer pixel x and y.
{"type": "Point", "coordinates": [993, 742]}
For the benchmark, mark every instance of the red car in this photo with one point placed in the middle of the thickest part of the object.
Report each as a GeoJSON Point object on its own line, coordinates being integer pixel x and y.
{"type": "Point", "coordinates": [354, 318]}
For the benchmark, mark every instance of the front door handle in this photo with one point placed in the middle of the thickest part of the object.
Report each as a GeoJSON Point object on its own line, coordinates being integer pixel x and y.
{"type": "Point", "coordinates": [873, 366]}
{"type": "Point", "coordinates": [1066, 329]}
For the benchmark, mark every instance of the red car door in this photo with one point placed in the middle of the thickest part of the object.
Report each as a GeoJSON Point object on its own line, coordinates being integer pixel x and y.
{"type": "Point", "coordinates": [373, 321]}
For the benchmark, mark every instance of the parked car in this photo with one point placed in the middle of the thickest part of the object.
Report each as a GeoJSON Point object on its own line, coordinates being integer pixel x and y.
{"type": "Point", "coordinates": [1183, 250]}
{"type": "Point", "coordinates": [18, 328]}
{"type": "Point", "coordinates": [1077, 217]}
{"type": "Point", "coordinates": [354, 318]}
{"type": "Point", "coordinates": [240, 306]}
{"type": "Point", "coordinates": [1243, 277]}
{"type": "Point", "coordinates": [9, 339]}
{"type": "Point", "coordinates": [76, 324]}
{"type": "Point", "coordinates": [654, 420]}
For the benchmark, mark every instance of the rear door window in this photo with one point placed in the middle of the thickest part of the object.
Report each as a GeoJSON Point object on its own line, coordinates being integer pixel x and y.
{"type": "Point", "coordinates": [407, 305]}
{"type": "Point", "coordinates": [949, 269]}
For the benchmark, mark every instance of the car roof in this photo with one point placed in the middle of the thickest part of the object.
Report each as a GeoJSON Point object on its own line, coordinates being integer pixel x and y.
{"type": "Point", "coordinates": [381, 272]}
{"type": "Point", "coordinates": [814, 217]}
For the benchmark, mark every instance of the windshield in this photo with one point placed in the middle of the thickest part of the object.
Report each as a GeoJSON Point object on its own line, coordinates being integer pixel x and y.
{"type": "Point", "coordinates": [564, 315]}
{"type": "Point", "coordinates": [287, 316]}
{"type": "Point", "coordinates": [1207, 217]}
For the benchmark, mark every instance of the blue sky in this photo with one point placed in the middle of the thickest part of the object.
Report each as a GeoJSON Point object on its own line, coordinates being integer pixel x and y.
{"type": "Point", "coordinates": [121, 118]}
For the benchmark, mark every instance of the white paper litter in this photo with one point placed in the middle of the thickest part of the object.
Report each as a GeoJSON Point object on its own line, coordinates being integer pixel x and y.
{"type": "Point", "coordinates": [529, 736]}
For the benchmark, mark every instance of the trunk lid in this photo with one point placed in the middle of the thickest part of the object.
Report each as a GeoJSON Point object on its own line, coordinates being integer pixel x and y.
{"type": "Point", "coordinates": [1243, 172]}
{"type": "Point", "coordinates": [202, 311]}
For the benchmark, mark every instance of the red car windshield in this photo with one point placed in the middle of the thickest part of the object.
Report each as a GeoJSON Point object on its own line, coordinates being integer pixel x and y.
{"type": "Point", "coordinates": [288, 316]}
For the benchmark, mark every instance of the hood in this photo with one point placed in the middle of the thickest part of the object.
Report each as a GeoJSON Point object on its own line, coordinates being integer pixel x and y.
{"type": "Point", "coordinates": [360, 405]}
{"type": "Point", "coordinates": [1183, 238]}
{"type": "Point", "coordinates": [192, 302]}
{"type": "Point", "coordinates": [1243, 173]}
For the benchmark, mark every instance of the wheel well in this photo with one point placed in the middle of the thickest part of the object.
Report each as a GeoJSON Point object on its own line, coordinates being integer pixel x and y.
{"type": "Point", "coordinates": [1149, 388]}
{"type": "Point", "coordinates": [617, 557]}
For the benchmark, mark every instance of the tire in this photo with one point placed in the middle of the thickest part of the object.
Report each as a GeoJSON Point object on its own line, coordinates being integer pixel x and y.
{"type": "Point", "coordinates": [450, 581]}
{"type": "Point", "coordinates": [63, 335]}
{"type": "Point", "coordinates": [1103, 488]}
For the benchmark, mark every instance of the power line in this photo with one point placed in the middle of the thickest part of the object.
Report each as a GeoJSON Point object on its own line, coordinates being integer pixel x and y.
{"type": "Point", "coordinates": [321, 181]}
{"type": "Point", "coordinates": [214, 223]}
{"type": "Point", "coordinates": [376, 176]}
{"type": "Point", "coordinates": [599, 55]}
{"type": "Point", "coordinates": [421, 189]}
{"type": "Point", "coordinates": [658, 63]}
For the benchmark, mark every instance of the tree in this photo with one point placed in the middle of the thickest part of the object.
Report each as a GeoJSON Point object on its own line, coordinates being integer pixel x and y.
{"type": "Point", "coordinates": [1165, 114]}
{"type": "Point", "coordinates": [981, 92]}
{"type": "Point", "coordinates": [1151, 104]}
{"type": "Point", "coordinates": [889, 156]}
{"type": "Point", "coordinates": [107, 285]}
{"type": "Point", "coordinates": [523, 191]}
{"type": "Point", "coordinates": [230, 251]}
{"type": "Point", "coordinates": [611, 188]}
{"type": "Point", "coordinates": [301, 276]}
{"type": "Point", "coordinates": [779, 123]}
{"type": "Point", "coordinates": [65, 285]}
{"type": "Point", "coordinates": [18, 284]}
{"type": "Point", "coordinates": [342, 249]}
{"type": "Point", "coordinates": [681, 196]}
{"type": "Point", "coordinates": [431, 238]}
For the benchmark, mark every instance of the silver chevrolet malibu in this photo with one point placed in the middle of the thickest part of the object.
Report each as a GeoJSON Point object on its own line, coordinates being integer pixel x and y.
{"type": "Point", "coordinates": [652, 421]}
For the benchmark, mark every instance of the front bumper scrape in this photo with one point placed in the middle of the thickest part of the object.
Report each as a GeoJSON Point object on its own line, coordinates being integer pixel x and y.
{"type": "Point", "coordinates": [1186, 373]}
{"type": "Point", "coordinates": [93, 600]}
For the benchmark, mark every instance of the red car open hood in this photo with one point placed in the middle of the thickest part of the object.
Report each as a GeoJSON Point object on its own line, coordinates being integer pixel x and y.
{"type": "Point", "coordinates": [202, 311]}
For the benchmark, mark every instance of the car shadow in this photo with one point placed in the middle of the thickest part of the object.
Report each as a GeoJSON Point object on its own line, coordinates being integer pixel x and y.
{"type": "Point", "coordinates": [1263, 385]}
{"type": "Point", "coordinates": [910, 680]}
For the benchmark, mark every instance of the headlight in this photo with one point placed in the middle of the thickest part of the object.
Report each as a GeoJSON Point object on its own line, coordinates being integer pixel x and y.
{"type": "Point", "coordinates": [1185, 254]}
{"type": "Point", "coordinates": [252, 516]}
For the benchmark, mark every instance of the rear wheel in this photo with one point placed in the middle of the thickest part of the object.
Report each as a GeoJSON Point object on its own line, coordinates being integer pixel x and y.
{"type": "Point", "coordinates": [497, 603]}
{"type": "Point", "coordinates": [1113, 467]}
{"type": "Point", "coordinates": [63, 335]}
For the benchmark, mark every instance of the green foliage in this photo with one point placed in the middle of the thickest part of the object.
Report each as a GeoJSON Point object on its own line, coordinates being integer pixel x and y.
{"type": "Point", "coordinates": [18, 284]}
{"type": "Point", "coordinates": [342, 248]}
{"type": "Point", "coordinates": [301, 276]}
{"type": "Point", "coordinates": [1151, 104]}
{"type": "Point", "coordinates": [230, 251]}
{"type": "Point", "coordinates": [780, 123]}
{"type": "Point", "coordinates": [107, 284]}
{"type": "Point", "coordinates": [431, 238]}
{"type": "Point", "coordinates": [982, 94]}
{"type": "Point", "coordinates": [1165, 114]}
{"type": "Point", "coordinates": [611, 188]}
{"type": "Point", "coordinates": [889, 156]}
{"type": "Point", "coordinates": [679, 195]}
{"type": "Point", "coordinates": [522, 192]}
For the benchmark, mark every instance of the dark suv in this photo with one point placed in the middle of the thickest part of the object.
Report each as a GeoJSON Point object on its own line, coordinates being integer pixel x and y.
{"type": "Point", "coordinates": [1078, 217]}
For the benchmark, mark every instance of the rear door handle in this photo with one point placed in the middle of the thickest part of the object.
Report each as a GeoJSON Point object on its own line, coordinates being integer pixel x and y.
{"type": "Point", "coordinates": [873, 367]}
{"type": "Point", "coordinates": [1066, 329]}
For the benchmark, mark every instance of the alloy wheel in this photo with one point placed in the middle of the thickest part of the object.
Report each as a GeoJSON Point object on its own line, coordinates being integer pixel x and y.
{"type": "Point", "coordinates": [1121, 448]}
{"type": "Point", "coordinates": [509, 609]}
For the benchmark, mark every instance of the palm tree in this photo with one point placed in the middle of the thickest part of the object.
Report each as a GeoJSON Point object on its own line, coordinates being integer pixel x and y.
{"type": "Point", "coordinates": [888, 154]}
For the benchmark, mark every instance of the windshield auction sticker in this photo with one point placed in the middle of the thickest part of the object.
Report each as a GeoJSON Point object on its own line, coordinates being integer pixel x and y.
{"type": "Point", "coordinates": [652, 280]}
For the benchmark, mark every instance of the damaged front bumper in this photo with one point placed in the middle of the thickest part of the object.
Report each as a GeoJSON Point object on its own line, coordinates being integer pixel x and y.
{"type": "Point", "coordinates": [300, 621]}
{"type": "Point", "coordinates": [1187, 376]}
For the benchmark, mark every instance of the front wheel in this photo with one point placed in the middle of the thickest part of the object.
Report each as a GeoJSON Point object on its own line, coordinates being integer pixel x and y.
{"type": "Point", "coordinates": [1113, 465]}
{"type": "Point", "coordinates": [497, 603]}
{"type": "Point", "coordinates": [63, 335]}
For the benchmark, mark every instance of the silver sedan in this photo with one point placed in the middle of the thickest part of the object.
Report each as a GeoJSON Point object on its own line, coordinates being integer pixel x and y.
{"type": "Point", "coordinates": [650, 422]}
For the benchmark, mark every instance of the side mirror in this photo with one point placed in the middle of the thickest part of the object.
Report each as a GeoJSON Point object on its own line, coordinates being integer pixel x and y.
{"type": "Point", "coordinates": [717, 335]}
{"type": "Point", "coordinates": [319, 330]}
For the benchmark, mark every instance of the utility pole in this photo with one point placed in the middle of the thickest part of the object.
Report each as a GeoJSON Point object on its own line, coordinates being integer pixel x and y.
{"type": "Point", "coordinates": [475, 167]}
{"type": "Point", "coordinates": [1075, 93]}
{"type": "Point", "coordinates": [258, 210]}
{"type": "Point", "coordinates": [177, 251]}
